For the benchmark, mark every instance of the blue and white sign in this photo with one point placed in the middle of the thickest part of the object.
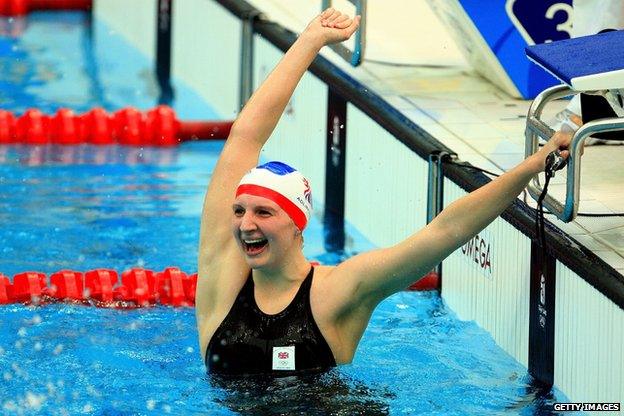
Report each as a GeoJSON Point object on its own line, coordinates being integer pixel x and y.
{"type": "Point", "coordinates": [541, 21]}
{"type": "Point", "coordinates": [493, 35]}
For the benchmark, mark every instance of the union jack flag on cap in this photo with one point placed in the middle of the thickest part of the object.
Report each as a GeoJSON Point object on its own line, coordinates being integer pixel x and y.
{"type": "Point", "coordinates": [283, 185]}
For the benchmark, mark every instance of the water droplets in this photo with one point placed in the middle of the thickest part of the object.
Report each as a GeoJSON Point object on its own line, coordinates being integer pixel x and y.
{"type": "Point", "coordinates": [34, 401]}
{"type": "Point", "coordinates": [10, 406]}
{"type": "Point", "coordinates": [93, 392]}
{"type": "Point", "coordinates": [58, 349]}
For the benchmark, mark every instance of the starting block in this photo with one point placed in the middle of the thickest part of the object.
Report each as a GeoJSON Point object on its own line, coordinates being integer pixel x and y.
{"type": "Point", "coordinates": [591, 65]}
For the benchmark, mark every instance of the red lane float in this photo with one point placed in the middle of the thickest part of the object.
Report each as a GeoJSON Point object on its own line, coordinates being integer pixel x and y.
{"type": "Point", "coordinates": [66, 284]}
{"type": "Point", "coordinates": [128, 126]}
{"type": "Point", "coordinates": [171, 287]}
{"type": "Point", "coordinates": [140, 285]}
{"type": "Point", "coordinates": [430, 281]}
{"type": "Point", "coordinates": [99, 284]}
{"type": "Point", "coordinates": [138, 288]}
{"type": "Point", "coordinates": [29, 287]}
{"type": "Point", "coordinates": [23, 7]}
{"type": "Point", "coordinates": [6, 290]}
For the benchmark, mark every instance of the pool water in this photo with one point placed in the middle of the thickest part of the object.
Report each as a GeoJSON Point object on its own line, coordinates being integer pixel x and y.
{"type": "Point", "coordinates": [415, 358]}
{"type": "Point", "coordinates": [85, 207]}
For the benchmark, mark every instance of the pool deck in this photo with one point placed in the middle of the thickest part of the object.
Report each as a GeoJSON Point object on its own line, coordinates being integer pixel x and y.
{"type": "Point", "coordinates": [473, 117]}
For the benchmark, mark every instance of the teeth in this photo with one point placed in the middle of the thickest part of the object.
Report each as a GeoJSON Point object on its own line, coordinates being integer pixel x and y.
{"type": "Point", "coordinates": [258, 240]}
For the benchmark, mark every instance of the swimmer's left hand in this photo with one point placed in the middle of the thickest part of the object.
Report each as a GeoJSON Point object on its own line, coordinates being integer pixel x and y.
{"type": "Point", "coordinates": [559, 141]}
{"type": "Point", "coordinates": [331, 26]}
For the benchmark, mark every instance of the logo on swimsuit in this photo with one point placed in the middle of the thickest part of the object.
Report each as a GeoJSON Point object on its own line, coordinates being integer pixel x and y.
{"type": "Point", "coordinates": [284, 358]}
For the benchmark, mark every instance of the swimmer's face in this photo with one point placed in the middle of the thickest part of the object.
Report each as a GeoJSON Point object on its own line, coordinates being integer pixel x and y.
{"type": "Point", "coordinates": [264, 232]}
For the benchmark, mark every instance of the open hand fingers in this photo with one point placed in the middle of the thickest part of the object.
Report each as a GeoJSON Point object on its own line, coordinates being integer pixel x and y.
{"type": "Point", "coordinates": [329, 16]}
{"type": "Point", "coordinates": [326, 13]}
{"type": "Point", "coordinates": [341, 22]}
{"type": "Point", "coordinates": [353, 25]}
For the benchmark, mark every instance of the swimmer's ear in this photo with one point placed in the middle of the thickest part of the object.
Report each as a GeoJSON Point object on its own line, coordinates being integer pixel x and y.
{"type": "Point", "coordinates": [299, 233]}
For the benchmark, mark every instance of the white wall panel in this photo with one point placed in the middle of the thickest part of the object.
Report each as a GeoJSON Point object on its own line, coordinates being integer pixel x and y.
{"type": "Point", "coordinates": [495, 296]}
{"type": "Point", "coordinates": [386, 183]}
{"type": "Point", "coordinates": [589, 341]}
{"type": "Point", "coordinates": [134, 20]}
{"type": "Point", "coordinates": [206, 43]}
{"type": "Point", "coordinates": [299, 138]}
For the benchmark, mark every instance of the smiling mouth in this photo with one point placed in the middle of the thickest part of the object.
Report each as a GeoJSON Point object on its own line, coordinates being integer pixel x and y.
{"type": "Point", "coordinates": [254, 247]}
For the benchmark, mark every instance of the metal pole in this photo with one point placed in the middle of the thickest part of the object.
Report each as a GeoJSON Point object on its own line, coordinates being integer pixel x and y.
{"type": "Point", "coordinates": [335, 172]}
{"type": "Point", "coordinates": [163, 50]}
{"type": "Point", "coordinates": [435, 184]}
{"type": "Point", "coordinates": [435, 191]}
{"type": "Point", "coordinates": [246, 62]}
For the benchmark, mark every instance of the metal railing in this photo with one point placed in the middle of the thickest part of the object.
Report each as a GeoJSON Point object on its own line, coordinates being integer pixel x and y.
{"type": "Point", "coordinates": [536, 128]}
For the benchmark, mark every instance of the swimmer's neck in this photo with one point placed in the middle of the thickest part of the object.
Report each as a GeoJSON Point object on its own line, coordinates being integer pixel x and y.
{"type": "Point", "coordinates": [283, 276]}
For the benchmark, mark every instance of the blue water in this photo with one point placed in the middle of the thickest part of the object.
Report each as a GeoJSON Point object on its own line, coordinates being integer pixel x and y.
{"type": "Point", "coordinates": [84, 207]}
{"type": "Point", "coordinates": [415, 358]}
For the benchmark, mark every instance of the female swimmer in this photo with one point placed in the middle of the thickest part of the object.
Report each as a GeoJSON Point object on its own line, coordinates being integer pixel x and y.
{"type": "Point", "coordinates": [261, 307]}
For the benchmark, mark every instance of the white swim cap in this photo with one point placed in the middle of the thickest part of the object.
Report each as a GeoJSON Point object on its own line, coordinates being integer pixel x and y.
{"type": "Point", "coordinates": [283, 185]}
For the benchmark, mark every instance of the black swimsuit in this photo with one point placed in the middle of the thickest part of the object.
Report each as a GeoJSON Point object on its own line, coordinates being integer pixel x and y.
{"type": "Point", "coordinates": [248, 341]}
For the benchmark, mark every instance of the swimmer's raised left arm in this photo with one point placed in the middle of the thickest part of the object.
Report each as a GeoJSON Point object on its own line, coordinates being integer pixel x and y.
{"type": "Point", "coordinates": [368, 278]}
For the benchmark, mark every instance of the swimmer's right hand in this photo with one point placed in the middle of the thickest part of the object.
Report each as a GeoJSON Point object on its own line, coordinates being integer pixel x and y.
{"type": "Point", "coordinates": [331, 26]}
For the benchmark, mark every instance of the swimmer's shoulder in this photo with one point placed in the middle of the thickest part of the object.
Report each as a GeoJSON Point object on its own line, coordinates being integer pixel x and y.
{"type": "Point", "coordinates": [324, 273]}
{"type": "Point", "coordinates": [335, 292]}
{"type": "Point", "coordinates": [321, 271]}
{"type": "Point", "coordinates": [321, 284]}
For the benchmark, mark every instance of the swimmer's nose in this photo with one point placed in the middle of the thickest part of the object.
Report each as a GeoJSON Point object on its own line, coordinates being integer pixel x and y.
{"type": "Point", "coordinates": [247, 223]}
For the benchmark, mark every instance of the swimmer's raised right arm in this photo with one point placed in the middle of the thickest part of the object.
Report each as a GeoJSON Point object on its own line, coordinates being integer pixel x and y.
{"type": "Point", "coordinates": [250, 131]}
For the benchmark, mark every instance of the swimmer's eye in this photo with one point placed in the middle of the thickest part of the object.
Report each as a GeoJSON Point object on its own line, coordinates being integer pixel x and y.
{"type": "Point", "coordinates": [238, 211]}
{"type": "Point", "coordinates": [264, 213]}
